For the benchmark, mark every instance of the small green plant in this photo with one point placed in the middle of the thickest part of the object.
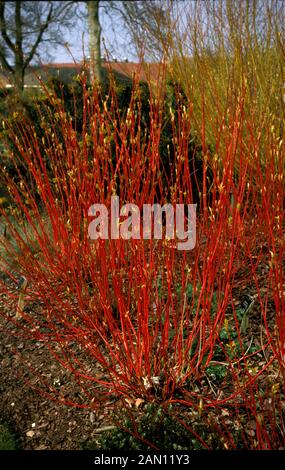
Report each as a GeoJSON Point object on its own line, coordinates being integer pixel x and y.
{"type": "Point", "coordinates": [155, 426]}
{"type": "Point", "coordinates": [243, 311]}
{"type": "Point", "coordinates": [231, 344]}
{"type": "Point", "coordinates": [188, 296]}
{"type": "Point", "coordinates": [8, 440]}
{"type": "Point", "coordinates": [88, 445]}
{"type": "Point", "coordinates": [217, 372]}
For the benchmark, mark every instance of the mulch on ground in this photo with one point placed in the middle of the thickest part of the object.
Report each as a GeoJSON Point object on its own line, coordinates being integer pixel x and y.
{"type": "Point", "coordinates": [38, 422]}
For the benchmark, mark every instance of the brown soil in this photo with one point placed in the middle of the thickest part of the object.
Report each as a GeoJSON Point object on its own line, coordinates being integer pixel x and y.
{"type": "Point", "coordinates": [38, 422]}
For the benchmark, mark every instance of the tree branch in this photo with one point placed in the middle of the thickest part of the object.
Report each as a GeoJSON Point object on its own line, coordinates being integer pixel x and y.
{"type": "Point", "coordinates": [19, 36]}
{"type": "Point", "coordinates": [5, 64]}
{"type": "Point", "coordinates": [3, 28]}
{"type": "Point", "coordinates": [43, 28]}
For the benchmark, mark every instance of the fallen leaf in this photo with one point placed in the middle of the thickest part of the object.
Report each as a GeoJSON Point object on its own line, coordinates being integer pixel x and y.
{"type": "Point", "coordinates": [129, 402]}
{"type": "Point", "coordinates": [92, 417]}
{"type": "Point", "coordinates": [139, 402]}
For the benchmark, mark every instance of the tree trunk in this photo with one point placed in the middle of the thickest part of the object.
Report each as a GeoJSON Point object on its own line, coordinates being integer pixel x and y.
{"type": "Point", "coordinates": [19, 56]}
{"type": "Point", "coordinates": [19, 79]}
{"type": "Point", "coordinates": [94, 28]}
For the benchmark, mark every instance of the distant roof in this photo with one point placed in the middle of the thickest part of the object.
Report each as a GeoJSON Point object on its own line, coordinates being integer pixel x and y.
{"type": "Point", "coordinates": [66, 71]}
{"type": "Point", "coordinates": [143, 71]}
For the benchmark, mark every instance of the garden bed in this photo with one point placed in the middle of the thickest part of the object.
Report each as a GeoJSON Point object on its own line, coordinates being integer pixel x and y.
{"type": "Point", "coordinates": [40, 423]}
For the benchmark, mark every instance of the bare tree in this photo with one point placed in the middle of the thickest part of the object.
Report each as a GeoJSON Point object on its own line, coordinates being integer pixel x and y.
{"type": "Point", "coordinates": [25, 28]}
{"type": "Point", "coordinates": [147, 24]}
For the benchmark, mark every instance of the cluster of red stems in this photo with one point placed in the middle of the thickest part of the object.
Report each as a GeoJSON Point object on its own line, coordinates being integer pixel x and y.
{"type": "Point", "coordinates": [111, 311]}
